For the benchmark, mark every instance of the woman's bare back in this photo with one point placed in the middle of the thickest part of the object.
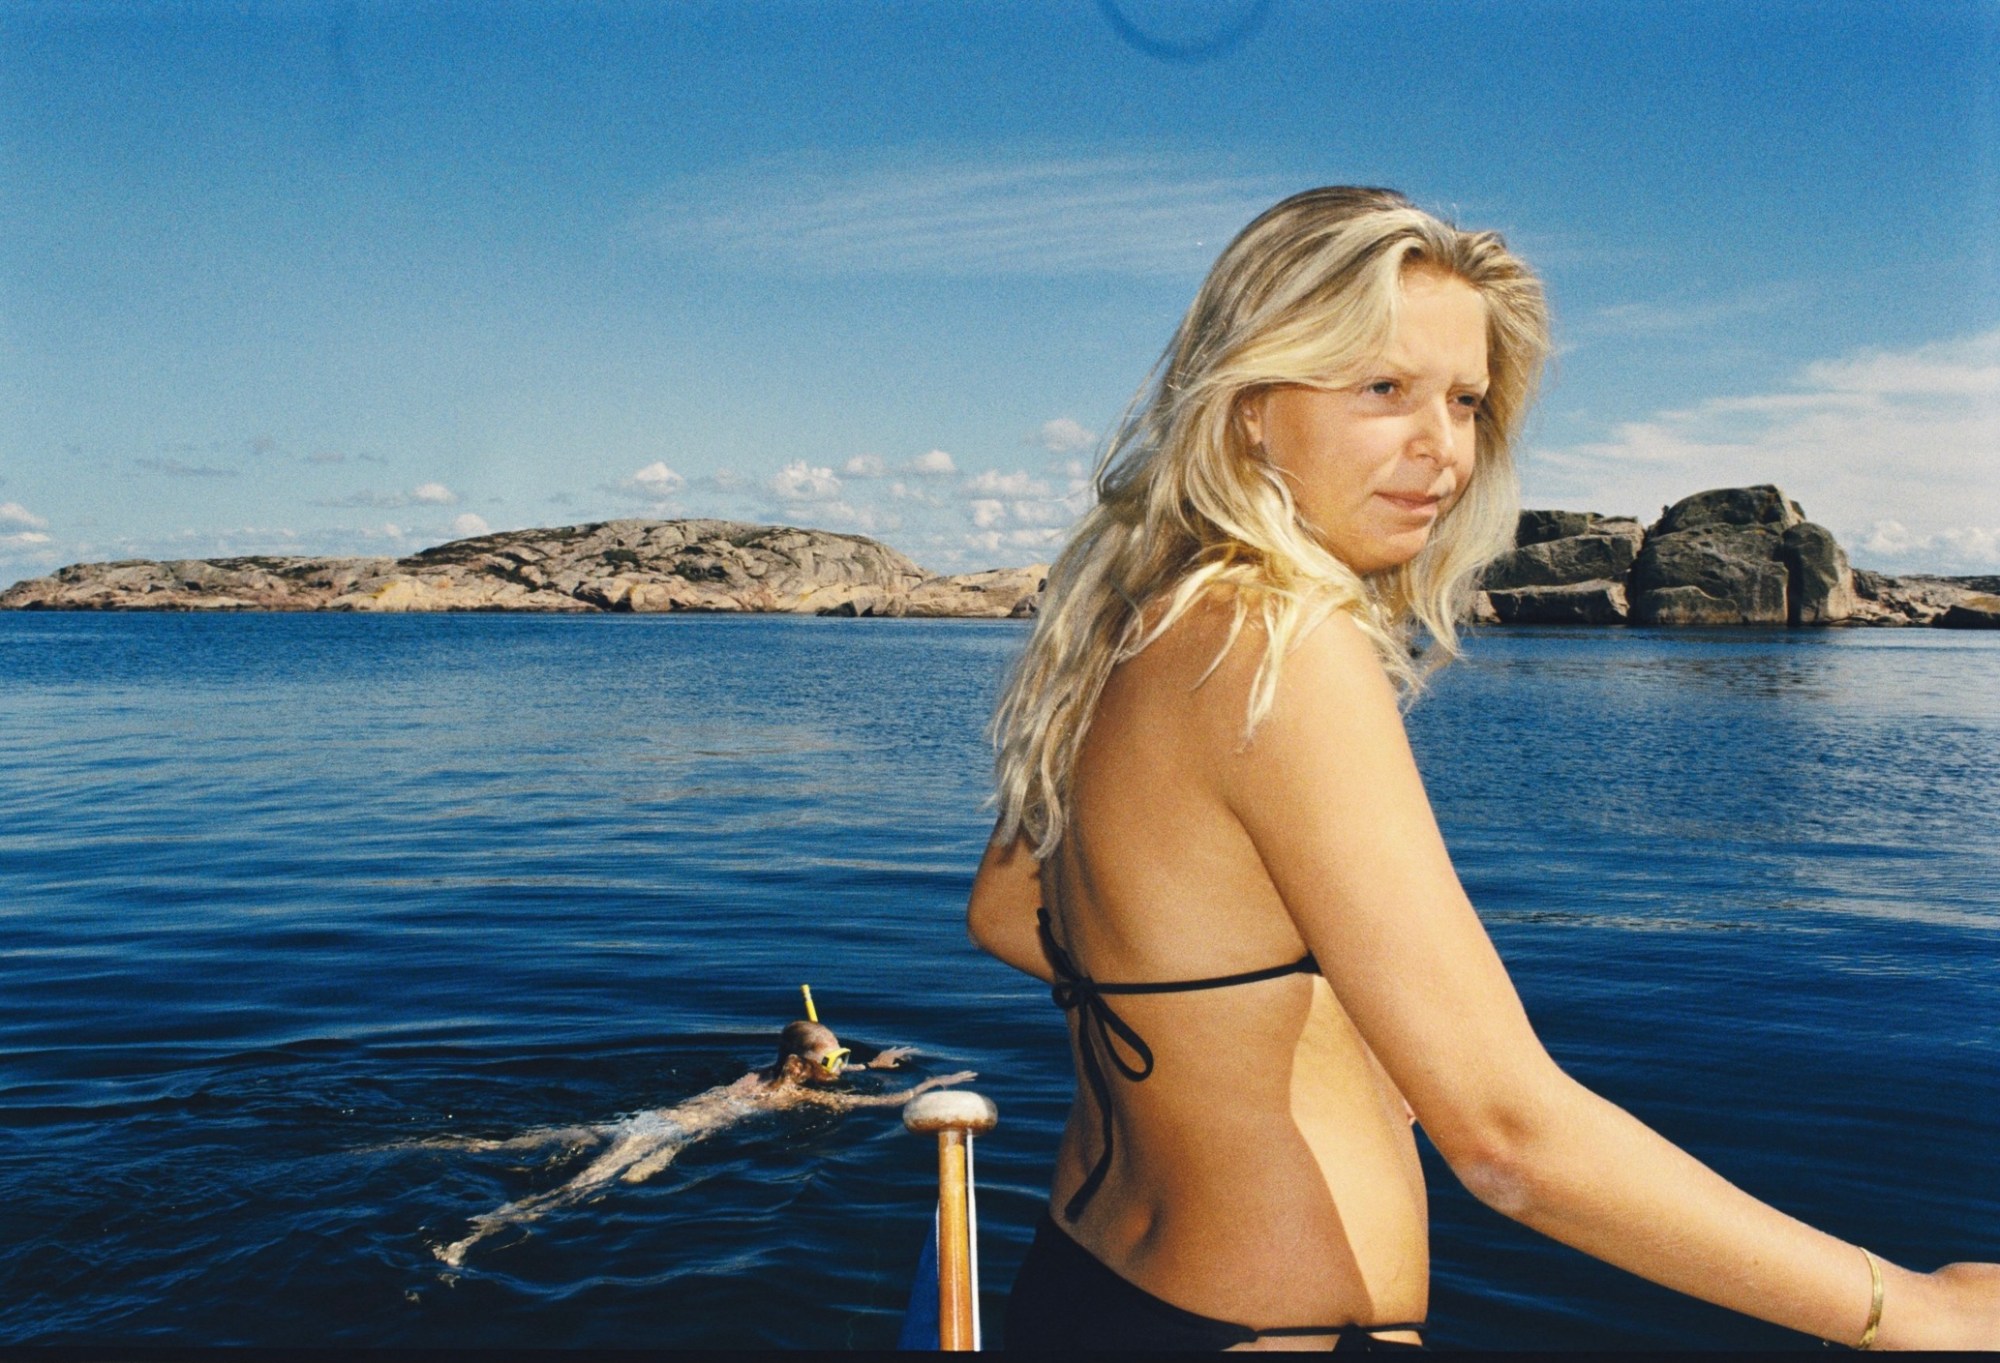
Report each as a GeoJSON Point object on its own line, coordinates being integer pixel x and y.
{"type": "Point", "coordinates": [1265, 1172]}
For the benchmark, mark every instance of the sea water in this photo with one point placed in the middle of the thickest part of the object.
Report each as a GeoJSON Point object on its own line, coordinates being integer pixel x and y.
{"type": "Point", "coordinates": [284, 897]}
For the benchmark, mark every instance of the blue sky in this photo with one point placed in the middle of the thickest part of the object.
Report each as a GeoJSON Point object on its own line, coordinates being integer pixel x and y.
{"type": "Point", "coordinates": [360, 278]}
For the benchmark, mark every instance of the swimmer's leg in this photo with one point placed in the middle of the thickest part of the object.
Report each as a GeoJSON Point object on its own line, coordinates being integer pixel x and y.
{"type": "Point", "coordinates": [644, 1169]}
{"type": "Point", "coordinates": [485, 1224]}
{"type": "Point", "coordinates": [643, 1146]}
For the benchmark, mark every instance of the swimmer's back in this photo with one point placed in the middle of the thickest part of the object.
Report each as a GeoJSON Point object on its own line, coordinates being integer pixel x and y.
{"type": "Point", "coordinates": [1265, 1172]}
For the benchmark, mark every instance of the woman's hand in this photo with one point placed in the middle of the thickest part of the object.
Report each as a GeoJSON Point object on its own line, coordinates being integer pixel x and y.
{"type": "Point", "coordinates": [944, 1081]}
{"type": "Point", "coordinates": [842, 1102]}
{"type": "Point", "coordinates": [890, 1056]}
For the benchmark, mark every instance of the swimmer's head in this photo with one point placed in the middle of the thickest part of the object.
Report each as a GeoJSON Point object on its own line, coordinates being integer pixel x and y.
{"type": "Point", "coordinates": [811, 1053]}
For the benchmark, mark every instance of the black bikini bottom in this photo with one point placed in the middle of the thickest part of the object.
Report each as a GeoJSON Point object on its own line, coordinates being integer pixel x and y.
{"type": "Point", "coordinates": [1064, 1299]}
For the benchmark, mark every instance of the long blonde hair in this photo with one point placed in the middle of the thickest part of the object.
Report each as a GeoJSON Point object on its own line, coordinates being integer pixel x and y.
{"type": "Point", "coordinates": [1306, 294]}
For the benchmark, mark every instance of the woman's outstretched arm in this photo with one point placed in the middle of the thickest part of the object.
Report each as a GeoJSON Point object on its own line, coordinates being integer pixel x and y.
{"type": "Point", "coordinates": [841, 1101]}
{"type": "Point", "coordinates": [1329, 793]}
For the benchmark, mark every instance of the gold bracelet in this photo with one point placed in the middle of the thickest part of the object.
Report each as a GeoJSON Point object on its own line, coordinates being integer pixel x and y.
{"type": "Point", "coordinates": [1874, 1302]}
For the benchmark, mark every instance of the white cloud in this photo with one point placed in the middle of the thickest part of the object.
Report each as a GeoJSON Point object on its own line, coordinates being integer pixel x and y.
{"type": "Point", "coordinates": [911, 213]}
{"type": "Point", "coordinates": [839, 515]}
{"type": "Point", "coordinates": [470, 525]}
{"type": "Point", "coordinates": [990, 483]}
{"type": "Point", "coordinates": [800, 482]}
{"type": "Point", "coordinates": [934, 464]}
{"type": "Point", "coordinates": [1042, 513]}
{"type": "Point", "coordinates": [865, 466]}
{"type": "Point", "coordinates": [651, 488]}
{"type": "Point", "coordinates": [1893, 542]}
{"type": "Point", "coordinates": [987, 511]}
{"type": "Point", "coordinates": [1966, 368]}
{"type": "Point", "coordinates": [658, 479]}
{"type": "Point", "coordinates": [426, 494]}
{"type": "Point", "coordinates": [1064, 435]}
{"type": "Point", "coordinates": [1034, 541]}
{"type": "Point", "coordinates": [23, 540]}
{"type": "Point", "coordinates": [1907, 439]}
{"type": "Point", "coordinates": [13, 513]}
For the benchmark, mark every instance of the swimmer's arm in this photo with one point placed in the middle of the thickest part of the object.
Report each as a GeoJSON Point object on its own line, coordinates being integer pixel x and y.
{"type": "Point", "coordinates": [528, 1140]}
{"type": "Point", "coordinates": [841, 1102]}
{"type": "Point", "coordinates": [1330, 794]}
{"type": "Point", "coordinates": [1001, 912]}
{"type": "Point", "coordinates": [889, 1057]}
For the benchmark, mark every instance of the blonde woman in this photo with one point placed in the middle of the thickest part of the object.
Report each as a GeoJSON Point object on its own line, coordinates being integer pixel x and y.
{"type": "Point", "coordinates": [1213, 842]}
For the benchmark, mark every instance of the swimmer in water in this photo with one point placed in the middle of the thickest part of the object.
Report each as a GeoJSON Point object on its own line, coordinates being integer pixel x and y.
{"type": "Point", "coordinates": [810, 1062]}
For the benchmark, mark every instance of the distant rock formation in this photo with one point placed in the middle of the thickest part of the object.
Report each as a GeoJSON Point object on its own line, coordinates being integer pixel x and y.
{"type": "Point", "coordinates": [1917, 600]}
{"type": "Point", "coordinates": [1015, 592]}
{"type": "Point", "coordinates": [625, 565]}
{"type": "Point", "coordinates": [1730, 556]}
{"type": "Point", "coordinates": [1740, 556]}
{"type": "Point", "coordinates": [1568, 567]}
{"type": "Point", "coordinates": [1976, 610]}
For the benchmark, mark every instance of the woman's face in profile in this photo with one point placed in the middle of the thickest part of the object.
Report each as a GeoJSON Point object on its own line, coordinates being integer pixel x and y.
{"type": "Point", "coordinates": [1373, 465]}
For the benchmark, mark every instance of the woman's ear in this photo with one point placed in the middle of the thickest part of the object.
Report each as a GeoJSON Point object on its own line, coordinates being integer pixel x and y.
{"type": "Point", "coordinates": [1250, 416]}
{"type": "Point", "coordinates": [795, 1068]}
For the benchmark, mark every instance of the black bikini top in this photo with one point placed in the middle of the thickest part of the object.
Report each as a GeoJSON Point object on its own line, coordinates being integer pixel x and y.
{"type": "Point", "coordinates": [1100, 1025]}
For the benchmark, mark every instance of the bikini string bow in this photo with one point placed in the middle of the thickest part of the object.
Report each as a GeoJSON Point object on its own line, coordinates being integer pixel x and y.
{"type": "Point", "coordinates": [1099, 1029]}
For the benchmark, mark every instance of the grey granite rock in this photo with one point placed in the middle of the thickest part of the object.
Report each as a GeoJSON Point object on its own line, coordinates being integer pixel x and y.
{"type": "Point", "coordinates": [1821, 586]}
{"type": "Point", "coordinates": [1718, 573]}
{"type": "Point", "coordinates": [1883, 600]}
{"type": "Point", "coordinates": [256, 583]}
{"type": "Point", "coordinates": [1582, 603]}
{"type": "Point", "coordinates": [1978, 610]}
{"type": "Point", "coordinates": [1538, 527]}
{"type": "Point", "coordinates": [1760, 505]}
{"type": "Point", "coordinates": [1621, 527]}
{"type": "Point", "coordinates": [998, 594]}
{"type": "Point", "coordinates": [624, 565]}
{"type": "Point", "coordinates": [1572, 559]}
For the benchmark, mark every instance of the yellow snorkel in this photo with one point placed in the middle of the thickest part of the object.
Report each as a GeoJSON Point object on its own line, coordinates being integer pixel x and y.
{"type": "Point", "coordinates": [833, 1062]}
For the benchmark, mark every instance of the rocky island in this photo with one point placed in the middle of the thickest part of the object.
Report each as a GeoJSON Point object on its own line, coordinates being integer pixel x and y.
{"type": "Point", "coordinates": [1732, 556]}
{"type": "Point", "coordinates": [624, 565]}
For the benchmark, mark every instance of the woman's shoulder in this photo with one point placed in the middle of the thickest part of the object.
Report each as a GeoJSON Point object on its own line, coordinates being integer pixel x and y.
{"type": "Point", "coordinates": [1337, 649]}
{"type": "Point", "coordinates": [1227, 627]}
{"type": "Point", "coordinates": [1218, 650]}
